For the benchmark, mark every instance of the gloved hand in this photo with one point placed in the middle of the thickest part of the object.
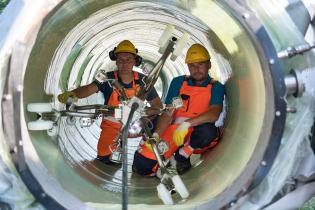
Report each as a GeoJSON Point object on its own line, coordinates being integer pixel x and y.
{"type": "Point", "coordinates": [180, 133]}
{"type": "Point", "coordinates": [156, 138]}
{"type": "Point", "coordinates": [63, 97]}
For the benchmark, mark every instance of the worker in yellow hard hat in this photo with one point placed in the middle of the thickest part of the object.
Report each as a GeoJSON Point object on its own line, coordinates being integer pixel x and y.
{"type": "Point", "coordinates": [190, 129]}
{"type": "Point", "coordinates": [126, 57]}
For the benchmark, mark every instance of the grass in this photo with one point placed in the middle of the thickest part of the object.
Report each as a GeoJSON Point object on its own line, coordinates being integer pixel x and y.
{"type": "Point", "coordinates": [309, 205]}
{"type": "Point", "coordinates": [3, 3]}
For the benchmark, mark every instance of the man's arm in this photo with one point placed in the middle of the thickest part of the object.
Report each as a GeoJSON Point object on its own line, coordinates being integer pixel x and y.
{"type": "Point", "coordinates": [211, 115]}
{"type": "Point", "coordinates": [163, 122]}
{"type": "Point", "coordinates": [86, 90]}
{"type": "Point", "coordinates": [80, 92]}
{"type": "Point", "coordinates": [156, 103]}
{"type": "Point", "coordinates": [155, 106]}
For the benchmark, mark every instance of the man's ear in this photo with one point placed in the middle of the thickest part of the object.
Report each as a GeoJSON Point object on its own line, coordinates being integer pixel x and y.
{"type": "Point", "coordinates": [210, 65]}
{"type": "Point", "coordinates": [138, 60]}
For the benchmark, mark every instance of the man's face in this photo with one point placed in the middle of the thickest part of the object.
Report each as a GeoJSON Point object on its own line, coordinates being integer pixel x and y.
{"type": "Point", "coordinates": [199, 71]}
{"type": "Point", "coordinates": [125, 62]}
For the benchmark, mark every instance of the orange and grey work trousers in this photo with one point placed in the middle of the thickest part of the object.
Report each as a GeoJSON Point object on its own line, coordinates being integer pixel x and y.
{"type": "Point", "coordinates": [198, 140]}
{"type": "Point", "coordinates": [110, 131]}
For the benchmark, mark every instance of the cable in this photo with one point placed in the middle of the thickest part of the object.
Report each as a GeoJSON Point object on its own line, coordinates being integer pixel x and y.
{"type": "Point", "coordinates": [134, 107]}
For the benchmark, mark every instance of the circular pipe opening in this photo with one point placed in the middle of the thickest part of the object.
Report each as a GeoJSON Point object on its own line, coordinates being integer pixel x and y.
{"type": "Point", "coordinates": [74, 42]}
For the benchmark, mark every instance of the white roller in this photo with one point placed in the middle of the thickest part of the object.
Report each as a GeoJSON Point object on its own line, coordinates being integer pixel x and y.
{"type": "Point", "coordinates": [166, 35]}
{"type": "Point", "coordinates": [164, 194]}
{"type": "Point", "coordinates": [180, 187]}
{"type": "Point", "coordinates": [180, 46]}
{"type": "Point", "coordinates": [39, 107]}
{"type": "Point", "coordinates": [162, 49]}
{"type": "Point", "coordinates": [40, 125]}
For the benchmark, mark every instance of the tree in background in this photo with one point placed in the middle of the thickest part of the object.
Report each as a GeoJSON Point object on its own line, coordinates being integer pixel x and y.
{"type": "Point", "coordinates": [3, 3]}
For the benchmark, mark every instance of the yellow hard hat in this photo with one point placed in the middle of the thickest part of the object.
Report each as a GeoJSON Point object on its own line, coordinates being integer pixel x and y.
{"type": "Point", "coordinates": [126, 46]}
{"type": "Point", "coordinates": [197, 53]}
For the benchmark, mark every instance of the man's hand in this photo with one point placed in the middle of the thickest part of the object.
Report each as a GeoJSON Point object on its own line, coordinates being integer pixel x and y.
{"type": "Point", "coordinates": [156, 138]}
{"type": "Point", "coordinates": [63, 98]}
{"type": "Point", "coordinates": [180, 133]}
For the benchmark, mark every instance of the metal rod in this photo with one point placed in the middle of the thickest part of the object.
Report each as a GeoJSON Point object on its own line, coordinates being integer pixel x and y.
{"type": "Point", "coordinates": [120, 89]}
{"type": "Point", "coordinates": [154, 147]}
{"type": "Point", "coordinates": [94, 106]}
{"type": "Point", "coordinates": [134, 107]}
{"type": "Point", "coordinates": [78, 114]}
{"type": "Point", "coordinates": [155, 73]}
{"type": "Point", "coordinates": [296, 50]}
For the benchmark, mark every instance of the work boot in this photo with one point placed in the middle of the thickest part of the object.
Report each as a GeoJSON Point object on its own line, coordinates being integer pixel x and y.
{"type": "Point", "coordinates": [106, 160]}
{"type": "Point", "coordinates": [183, 167]}
{"type": "Point", "coordinates": [182, 163]}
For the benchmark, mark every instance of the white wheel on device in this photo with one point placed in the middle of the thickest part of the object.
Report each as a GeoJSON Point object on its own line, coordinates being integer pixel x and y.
{"type": "Point", "coordinates": [53, 131]}
{"type": "Point", "coordinates": [40, 125]}
{"type": "Point", "coordinates": [180, 46]}
{"type": "Point", "coordinates": [164, 194]}
{"type": "Point", "coordinates": [166, 35]}
{"type": "Point", "coordinates": [180, 186]}
{"type": "Point", "coordinates": [39, 107]}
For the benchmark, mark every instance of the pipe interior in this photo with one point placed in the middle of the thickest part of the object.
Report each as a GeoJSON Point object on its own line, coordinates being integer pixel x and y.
{"type": "Point", "coordinates": [74, 42]}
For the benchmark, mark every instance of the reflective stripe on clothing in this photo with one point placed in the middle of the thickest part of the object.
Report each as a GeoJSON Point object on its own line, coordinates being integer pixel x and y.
{"type": "Point", "coordinates": [186, 151]}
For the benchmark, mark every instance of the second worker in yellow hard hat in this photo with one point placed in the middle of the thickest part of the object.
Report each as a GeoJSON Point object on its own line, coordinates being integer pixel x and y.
{"type": "Point", "coordinates": [190, 129]}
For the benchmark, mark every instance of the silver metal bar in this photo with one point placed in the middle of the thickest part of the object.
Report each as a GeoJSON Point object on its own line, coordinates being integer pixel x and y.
{"type": "Point", "coordinates": [154, 74]}
{"type": "Point", "coordinates": [78, 114]}
{"type": "Point", "coordinates": [134, 107]}
{"type": "Point", "coordinates": [120, 89]}
{"type": "Point", "coordinates": [93, 106]}
{"type": "Point", "coordinates": [158, 157]}
{"type": "Point", "coordinates": [293, 51]}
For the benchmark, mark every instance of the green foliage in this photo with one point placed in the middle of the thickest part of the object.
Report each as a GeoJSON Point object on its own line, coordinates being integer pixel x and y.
{"type": "Point", "coordinates": [3, 3]}
{"type": "Point", "coordinates": [309, 205]}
